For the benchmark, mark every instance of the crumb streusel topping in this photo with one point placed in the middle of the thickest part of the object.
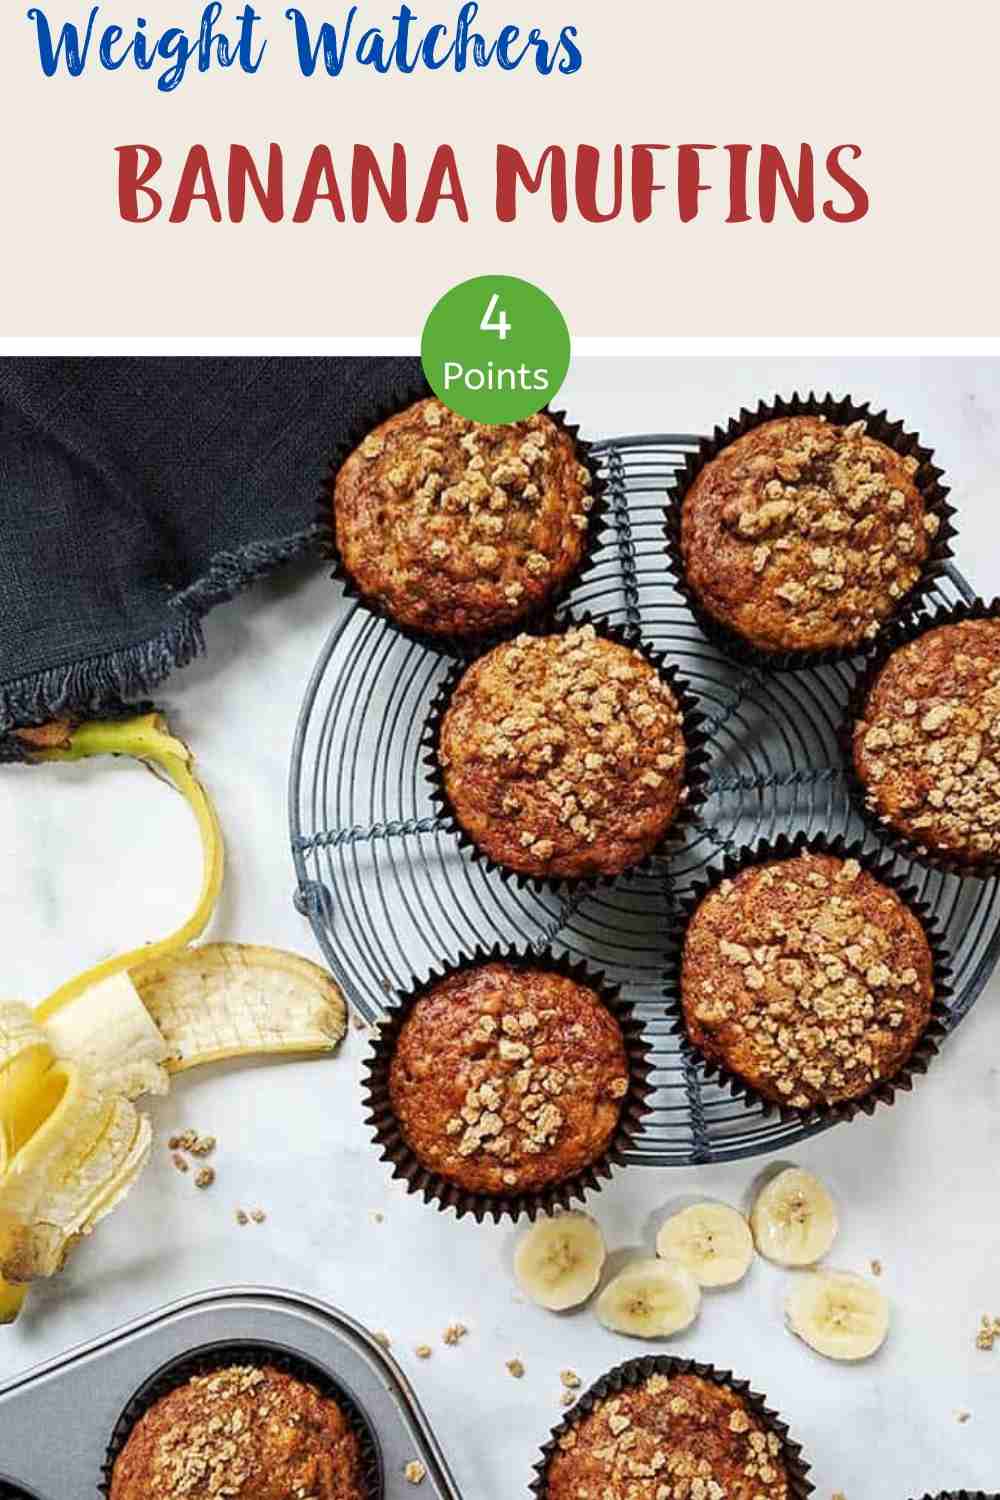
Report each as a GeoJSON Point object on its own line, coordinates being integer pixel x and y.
{"type": "Point", "coordinates": [808, 978]}
{"type": "Point", "coordinates": [458, 527]}
{"type": "Point", "coordinates": [928, 747]}
{"type": "Point", "coordinates": [564, 754]}
{"type": "Point", "coordinates": [506, 1079]}
{"type": "Point", "coordinates": [677, 1437]}
{"type": "Point", "coordinates": [248, 1432]}
{"type": "Point", "coordinates": [803, 535]}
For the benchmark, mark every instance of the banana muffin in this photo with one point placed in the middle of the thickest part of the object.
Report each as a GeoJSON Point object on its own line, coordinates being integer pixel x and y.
{"type": "Point", "coordinates": [927, 748]}
{"type": "Point", "coordinates": [507, 1079]}
{"type": "Point", "coordinates": [243, 1430]}
{"type": "Point", "coordinates": [805, 536]}
{"type": "Point", "coordinates": [455, 528]}
{"type": "Point", "coordinates": [807, 978]}
{"type": "Point", "coordinates": [669, 1435]}
{"type": "Point", "coordinates": [564, 755]}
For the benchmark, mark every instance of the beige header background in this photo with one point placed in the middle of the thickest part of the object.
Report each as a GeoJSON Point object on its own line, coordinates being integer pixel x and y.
{"type": "Point", "coordinates": [914, 85]}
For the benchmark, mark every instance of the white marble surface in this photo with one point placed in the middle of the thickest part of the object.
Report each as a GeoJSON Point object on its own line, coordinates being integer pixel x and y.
{"type": "Point", "coordinates": [95, 860]}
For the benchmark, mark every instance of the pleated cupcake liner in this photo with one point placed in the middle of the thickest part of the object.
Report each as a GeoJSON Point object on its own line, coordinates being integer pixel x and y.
{"type": "Point", "coordinates": [882, 867]}
{"type": "Point", "coordinates": [696, 764]}
{"type": "Point", "coordinates": [440, 1190]}
{"type": "Point", "coordinates": [209, 1358]}
{"type": "Point", "coordinates": [635, 1372]}
{"type": "Point", "coordinates": [903, 633]}
{"type": "Point", "coordinates": [841, 412]}
{"type": "Point", "coordinates": [459, 647]}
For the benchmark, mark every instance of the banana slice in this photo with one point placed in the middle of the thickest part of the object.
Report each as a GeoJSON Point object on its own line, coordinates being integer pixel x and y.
{"type": "Point", "coordinates": [711, 1240]}
{"type": "Point", "coordinates": [110, 1032]}
{"type": "Point", "coordinates": [233, 999]}
{"type": "Point", "coordinates": [558, 1263]}
{"type": "Point", "coordinates": [794, 1219]}
{"type": "Point", "coordinates": [837, 1313]}
{"type": "Point", "coordinates": [650, 1299]}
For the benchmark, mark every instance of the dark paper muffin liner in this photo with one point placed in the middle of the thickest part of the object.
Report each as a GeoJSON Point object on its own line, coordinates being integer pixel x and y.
{"type": "Point", "coordinates": [211, 1357]}
{"type": "Point", "coordinates": [963, 1495]}
{"type": "Point", "coordinates": [696, 774]}
{"type": "Point", "coordinates": [440, 1190]}
{"type": "Point", "coordinates": [635, 1372]}
{"type": "Point", "coordinates": [14, 1492]}
{"type": "Point", "coordinates": [883, 869]}
{"type": "Point", "coordinates": [464, 646]}
{"type": "Point", "coordinates": [902, 633]}
{"type": "Point", "coordinates": [841, 412]}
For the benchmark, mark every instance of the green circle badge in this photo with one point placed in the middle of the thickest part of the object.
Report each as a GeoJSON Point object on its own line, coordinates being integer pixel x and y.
{"type": "Point", "coordinates": [495, 349]}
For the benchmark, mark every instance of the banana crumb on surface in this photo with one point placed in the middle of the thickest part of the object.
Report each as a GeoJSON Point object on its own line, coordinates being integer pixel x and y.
{"type": "Point", "coordinates": [567, 1398]}
{"type": "Point", "coordinates": [258, 1215]}
{"type": "Point", "coordinates": [454, 1334]}
{"type": "Point", "coordinates": [988, 1332]}
{"type": "Point", "coordinates": [570, 1380]}
{"type": "Point", "coordinates": [242, 1217]}
{"type": "Point", "coordinates": [179, 1162]}
{"type": "Point", "coordinates": [515, 1368]}
{"type": "Point", "coordinates": [205, 1177]}
{"type": "Point", "coordinates": [382, 1339]}
{"type": "Point", "coordinates": [876, 1267]}
{"type": "Point", "coordinates": [962, 1416]}
{"type": "Point", "coordinates": [423, 1351]}
{"type": "Point", "coordinates": [415, 1471]}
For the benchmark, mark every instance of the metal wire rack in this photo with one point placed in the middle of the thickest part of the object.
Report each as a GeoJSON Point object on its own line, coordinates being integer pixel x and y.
{"type": "Point", "coordinates": [390, 894]}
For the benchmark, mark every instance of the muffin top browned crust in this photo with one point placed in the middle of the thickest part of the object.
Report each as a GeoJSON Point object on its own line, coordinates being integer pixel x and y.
{"type": "Point", "coordinates": [928, 746]}
{"type": "Point", "coordinates": [808, 978]}
{"type": "Point", "coordinates": [676, 1437]}
{"type": "Point", "coordinates": [508, 1079]}
{"type": "Point", "coordinates": [255, 1433]}
{"type": "Point", "coordinates": [457, 528]}
{"type": "Point", "coordinates": [564, 755]}
{"type": "Point", "coordinates": [805, 536]}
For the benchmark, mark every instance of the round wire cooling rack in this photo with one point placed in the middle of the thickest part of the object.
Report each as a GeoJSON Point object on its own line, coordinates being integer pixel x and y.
{"type": "Point", "coordinates": [391, 895]}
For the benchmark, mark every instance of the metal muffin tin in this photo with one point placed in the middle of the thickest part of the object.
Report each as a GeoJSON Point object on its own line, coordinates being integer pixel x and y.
{"type": "Point", "coordinates": [80, 1396]}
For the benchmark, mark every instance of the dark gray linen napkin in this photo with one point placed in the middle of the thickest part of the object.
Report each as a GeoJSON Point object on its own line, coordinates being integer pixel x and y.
{"type": "Point", "coordinates": [136, 493]}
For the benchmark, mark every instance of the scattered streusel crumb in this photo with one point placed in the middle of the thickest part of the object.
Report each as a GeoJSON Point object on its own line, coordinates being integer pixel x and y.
{"type": "Point", "coordinates": [423, 1351]}
{"type": "Point", "coordinates": [205, 1177]}
{"type": "Point", "coordinates": [258, 1215]}
{"type": "Point", "coordinates": [415, 1471]}
{"type": "Point", "coordinates": [378, 1217]}
{"type": "Point", "coordinates": [988, 1332]}
{"type": "Point", "coordinates": [204, 1145]}
{"type": "Point", "coordinates": [876, 1268]}
{"type": "Point", "coordinates": [382, 1339]}
{"type": "Point", "coordinates": [570, 1380]}
{"type": "Point", "coordinates": [516, 1368]}
{"type": "Point", "coordinates": [962, 1416]}
{"type": "Point", "coordinates": [179, 1162]}
{"type": "Point", "coordinates": [242, 1218]}
{"type": "Point", "coordinates": [454, 1334]}
{"type": "Point", "coordinates": [567, 1398]}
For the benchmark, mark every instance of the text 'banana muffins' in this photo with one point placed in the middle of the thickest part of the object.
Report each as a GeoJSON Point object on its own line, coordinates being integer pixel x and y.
{"type": "Point", "coordinates": [255, 1433]}
{"type": "Point", "coordinates": [508, 1079]}
{"type": "Point", "coordinates": [564, 755]}
{"type": "Point", "coordinates": [807, 978]}
{"type": "Point", "coordinates": [805, 536]}
{"type": "Point", "coordinates": [676, 1437]}
{"type": "Point", "coordinates": [928, 747]}
{"type": "Point", "coordinates": [456, 528]}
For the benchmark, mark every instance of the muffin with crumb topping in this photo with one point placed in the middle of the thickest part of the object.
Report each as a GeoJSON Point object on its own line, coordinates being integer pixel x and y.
{"type": "Point", "coordinates": [455, 528]}
{"type": "Point", "coordinates": [247, 1430]}
{"type": "Point", "coordinates": [807, 978]}
{"type": "Point", "coordinates": [927, 746]}
{"type": "Point", "coordinates": [564, 755]}
{"type": "Point", "coordinates": [671, 1435]}
{"type": "Point", "coordinates": [805, 536]}
{"type": "Point", "coordinates": [508, 1078]}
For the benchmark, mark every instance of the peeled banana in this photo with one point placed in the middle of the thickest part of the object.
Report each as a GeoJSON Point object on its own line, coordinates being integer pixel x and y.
{"type": "Point", "coordinates": [71, 1141]}
{"type": "Point", "coordinates": [711, 1240]}
{"type": "Point", "coordinates": [559, 1261]}
{"type": "Point", "coordinates": [794, 1219]}
{"type": "Point", "coordinates": [837, 1313]}
{"type": "Point", "coordinates": [650, 1299]}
